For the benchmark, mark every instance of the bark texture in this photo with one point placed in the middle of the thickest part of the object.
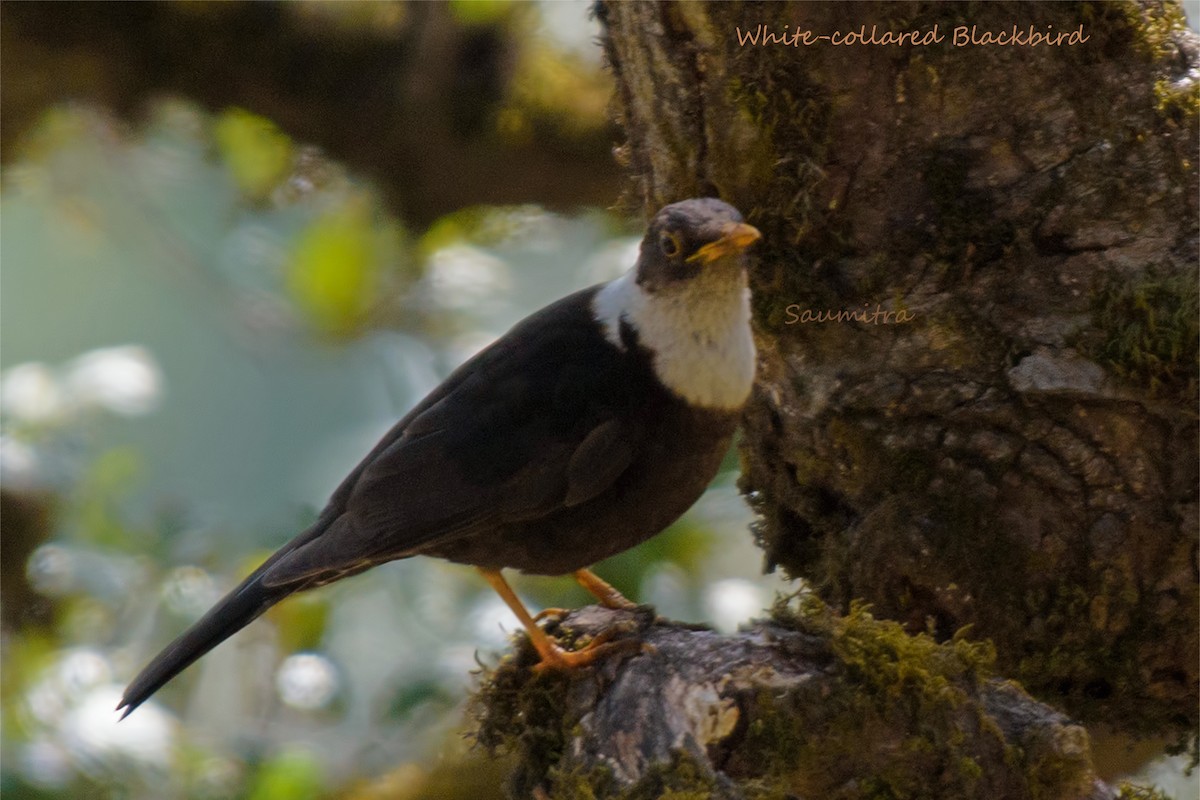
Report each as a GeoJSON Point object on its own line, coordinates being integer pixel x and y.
{"type": "Point", "coordinates": [1019, 456]}
{"type": "Point", "coordinates": [807, 705]}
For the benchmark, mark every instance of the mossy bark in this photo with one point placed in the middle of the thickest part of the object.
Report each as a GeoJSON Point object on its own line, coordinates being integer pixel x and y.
{"type": "Point", "coordinates": [809, 704]}
{"type": "Point", "coordinates": [1019, 456]}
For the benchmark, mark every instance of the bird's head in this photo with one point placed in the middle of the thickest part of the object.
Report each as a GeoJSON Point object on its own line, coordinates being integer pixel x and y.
{"type": "Point", "coordinates": [687, 302]}
{"type": "Point", "coordinates": [692, 239]}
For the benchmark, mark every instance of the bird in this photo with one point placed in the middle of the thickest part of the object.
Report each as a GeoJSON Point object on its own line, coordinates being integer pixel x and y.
{"type": "Point", "coordinates": [587, 428]}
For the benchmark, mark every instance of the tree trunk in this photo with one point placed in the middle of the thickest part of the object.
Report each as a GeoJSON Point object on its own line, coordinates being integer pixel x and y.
{"type": "Point", "coordinates": [1006, 437]}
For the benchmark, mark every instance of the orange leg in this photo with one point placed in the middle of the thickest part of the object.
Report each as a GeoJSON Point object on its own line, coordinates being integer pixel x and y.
{"type": "Point", "coordinates": [553, 656]}
{"type": "Point", "coordinates": [605, 593]}
{"type": "Point", "coordinates": [608, 596]}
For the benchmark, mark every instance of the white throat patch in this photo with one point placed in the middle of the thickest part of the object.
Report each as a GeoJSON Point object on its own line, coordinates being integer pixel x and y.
{"type": "Point", "coordinates": [698, 332]}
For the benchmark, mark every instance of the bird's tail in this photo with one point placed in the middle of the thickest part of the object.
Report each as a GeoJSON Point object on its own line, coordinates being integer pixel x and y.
{"type": "Point", "coordinates": [235, 611]}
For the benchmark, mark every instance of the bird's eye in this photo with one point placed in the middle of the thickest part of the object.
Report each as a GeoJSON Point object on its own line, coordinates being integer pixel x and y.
{"type": "Point", "coordinates": [669, 244]}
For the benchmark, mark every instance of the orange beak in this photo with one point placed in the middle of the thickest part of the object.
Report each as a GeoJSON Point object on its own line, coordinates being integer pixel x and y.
{"type": "Point", "coordinates": [735, 237]}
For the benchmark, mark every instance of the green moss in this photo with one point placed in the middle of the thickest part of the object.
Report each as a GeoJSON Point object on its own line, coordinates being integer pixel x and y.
{"type": "Point", "coordinates": [1057, 763]}
{"type": "Point", "coordinates": [583, 785]}
{"type": "Point", "coordinates": [1153, 26]}
{"type": "Point", "coordinates": [1153, 29]}
{"type": "Point", "coordinates": [890, 663]}
{"type": "Point", "coordinates": [892, 684]}
{"type": "Point", "coordinates": [1128, 791]}
{"type": "Point", "coordinates": [1149, 331]}
{"type": "Point", "coordinates": [520, 714]}
{"type": "Point", "coordinates": [1177, 103]}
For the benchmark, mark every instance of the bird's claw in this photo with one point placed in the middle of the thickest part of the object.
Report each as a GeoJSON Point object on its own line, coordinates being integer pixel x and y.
{"type": "Point", "coordinates": [554, 657]}
{"type": "Point", "coordinates": [545, 613]}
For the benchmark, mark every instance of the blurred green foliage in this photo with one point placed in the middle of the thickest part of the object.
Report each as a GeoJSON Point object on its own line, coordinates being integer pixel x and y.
{"type": "Point", "coordinates": [256, 151]}
{"type": "Point", "coordinates": [297, 271]}
{"type": "Point", "coordinates": [291, 775]}
{"type": "Point", "coordinates": [301, 621]}
{"type": "Point", "coordinates": [333, 272]}
{"type": "Point", "coordinates": [477, 12]}
{"type": "Point", "coordinates": [285, 318]}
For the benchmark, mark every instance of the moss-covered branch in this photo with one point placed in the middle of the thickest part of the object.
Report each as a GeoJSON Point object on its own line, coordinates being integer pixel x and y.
{"type": "Point", "coordinates": [808, 704]}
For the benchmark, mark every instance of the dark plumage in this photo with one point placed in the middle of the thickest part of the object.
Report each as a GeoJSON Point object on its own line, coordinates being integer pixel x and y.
{"type": "Point", "coordinates": [586, 429]}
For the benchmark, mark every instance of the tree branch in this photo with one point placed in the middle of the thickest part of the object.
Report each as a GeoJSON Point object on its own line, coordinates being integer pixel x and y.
{"type": "Point", "coordinates": [806, 704]}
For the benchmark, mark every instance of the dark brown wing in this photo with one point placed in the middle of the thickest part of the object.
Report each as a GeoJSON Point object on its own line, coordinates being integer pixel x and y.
{"type": "Point", "coordinates": [537, 422]}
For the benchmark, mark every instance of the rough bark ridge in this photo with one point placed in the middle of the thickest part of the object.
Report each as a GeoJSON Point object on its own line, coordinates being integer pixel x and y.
{"type": "Point", "coordinates": [1020, 456]}
{"type": "Point", "coordinates": [807, 705]}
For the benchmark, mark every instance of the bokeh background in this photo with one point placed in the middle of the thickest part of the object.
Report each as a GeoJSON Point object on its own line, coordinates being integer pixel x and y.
{"type": "Point", "coordinates": [237, 241]}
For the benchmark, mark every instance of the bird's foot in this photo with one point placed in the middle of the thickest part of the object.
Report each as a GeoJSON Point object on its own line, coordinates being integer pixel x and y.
{"type": "Point", "coordinates": [554, 657]}
{"type": "Point", "coordinates": [551, 655]}
{"type": "Point", "coordinates": [546, 613]}
{"type": "Point", "coordinates": [603, 591]}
